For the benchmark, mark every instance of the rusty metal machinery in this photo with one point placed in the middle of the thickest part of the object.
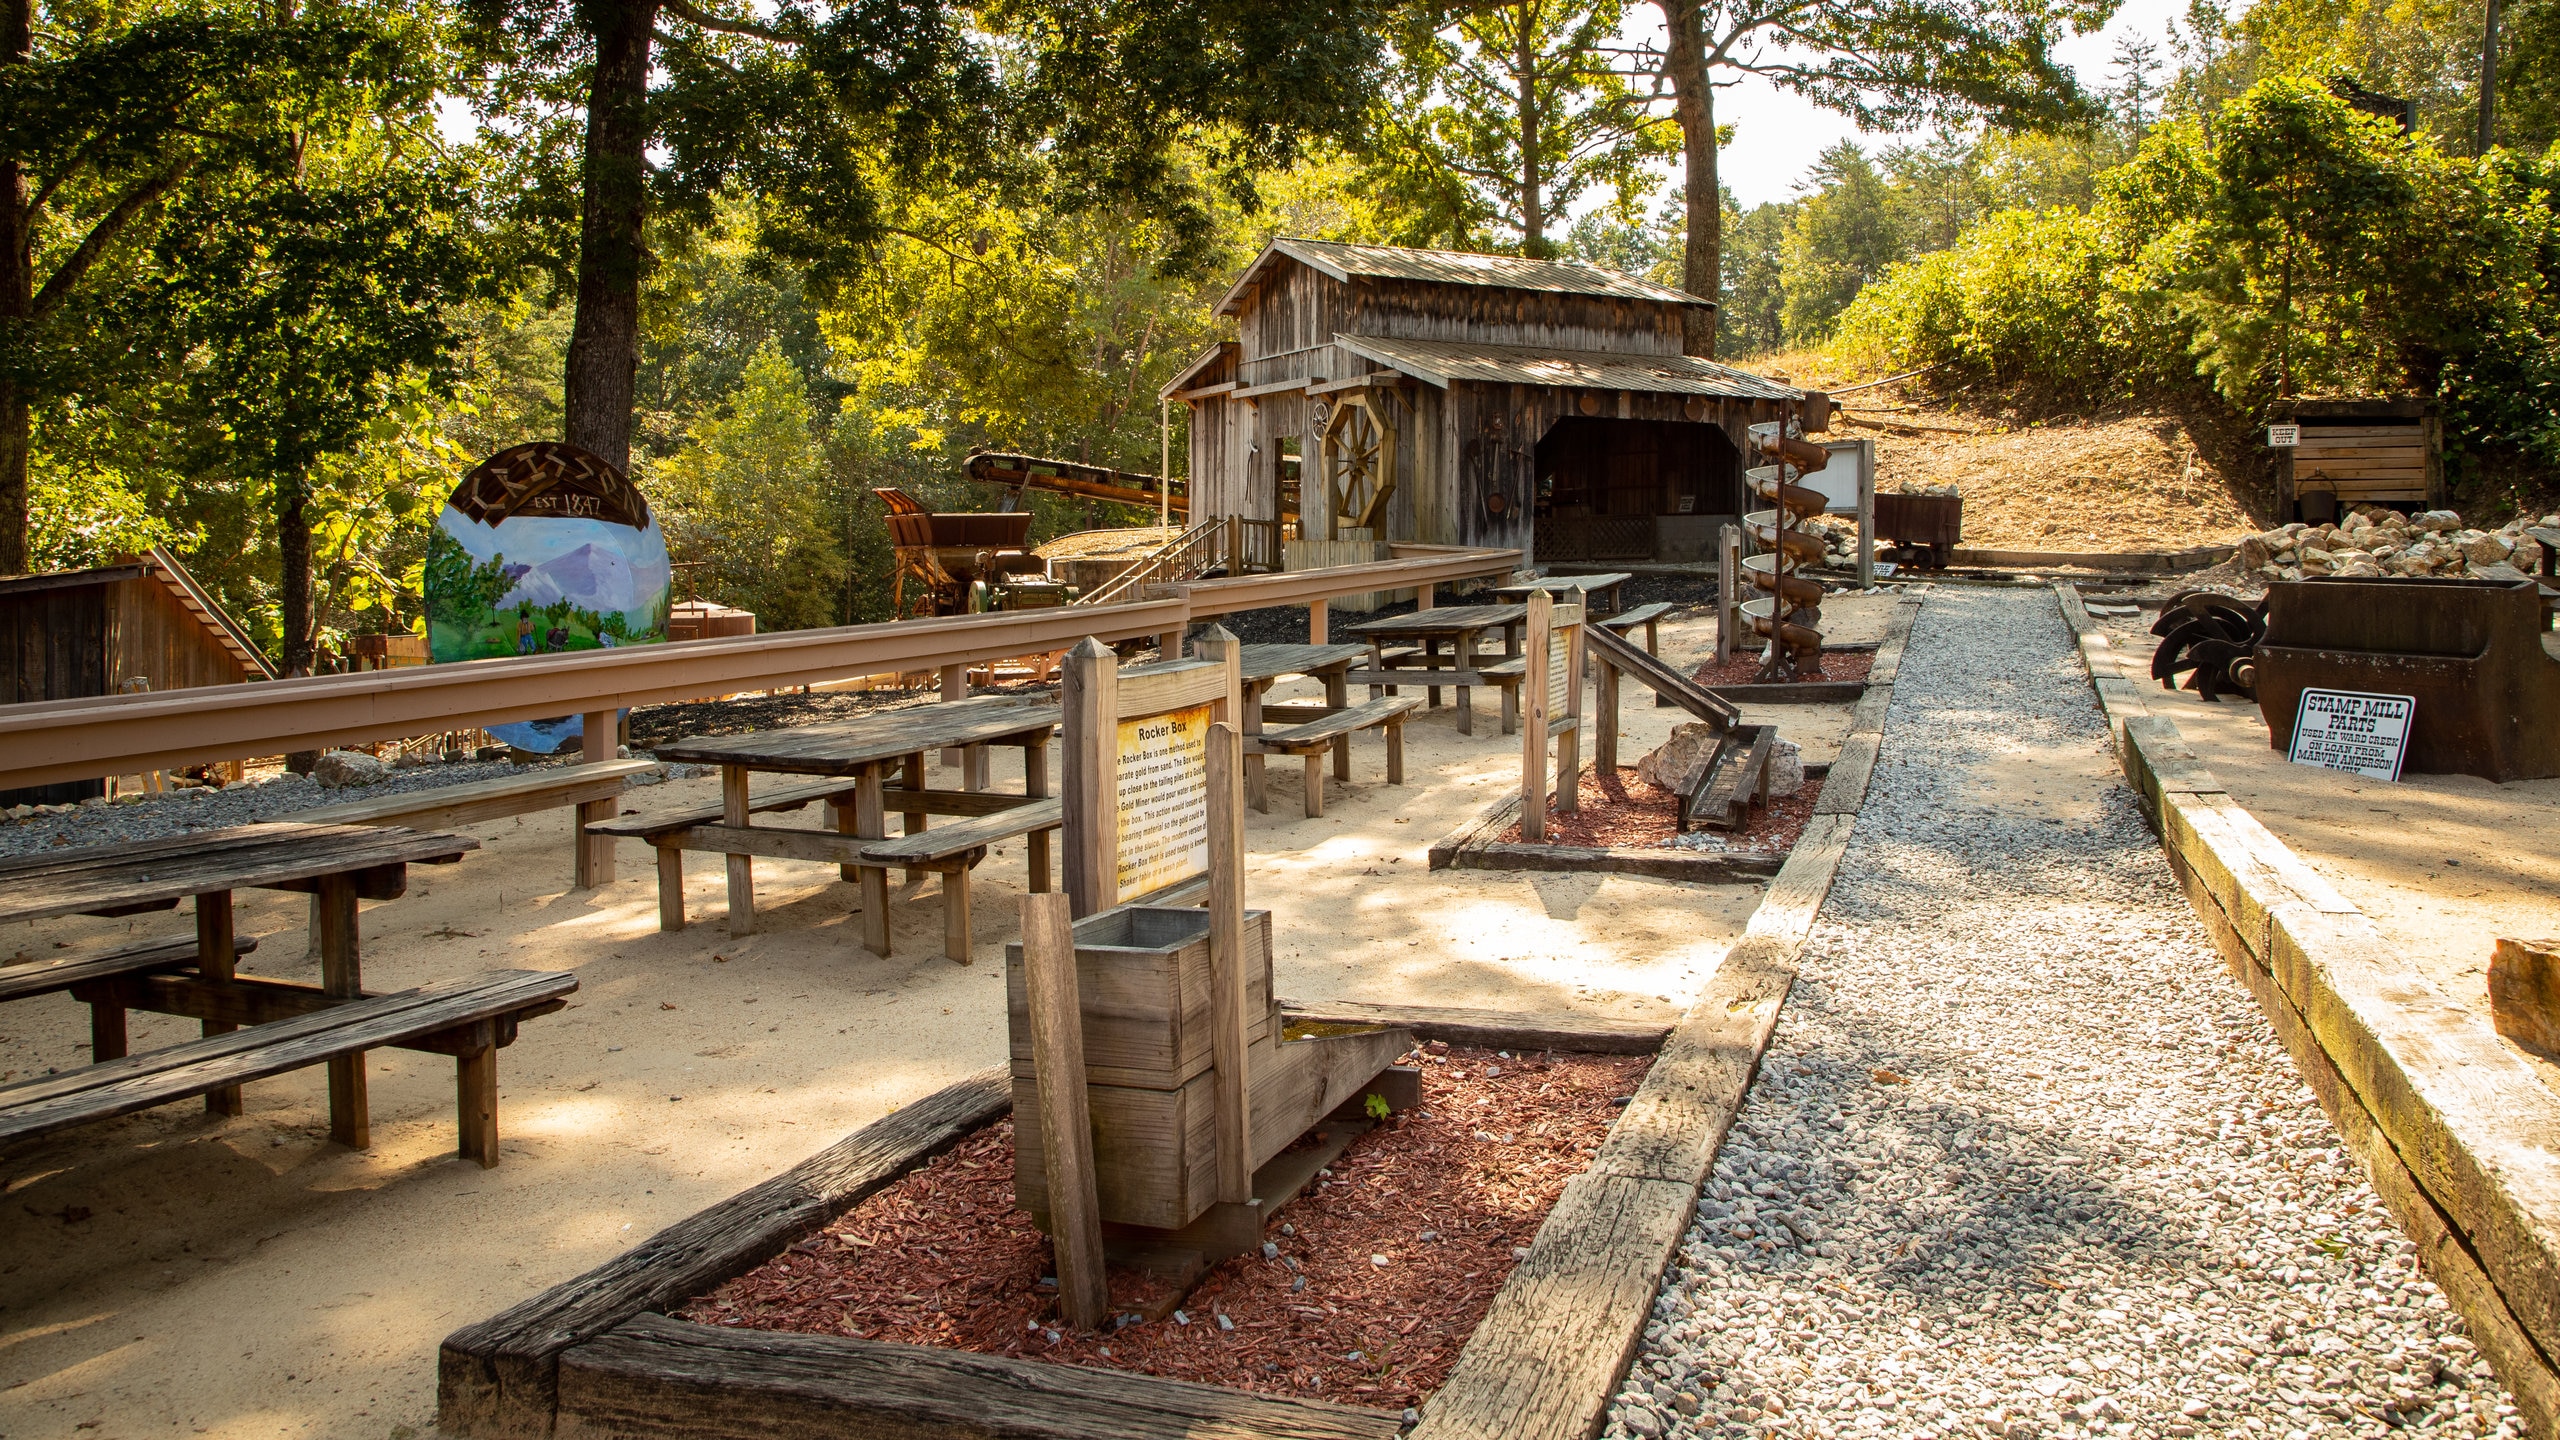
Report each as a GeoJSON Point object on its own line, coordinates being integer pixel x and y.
{"type": "Point", "coordinates": [960, 562]}
{"type": "Point", "coordinates": [1789, 613]}
{"type": "Point", "coordinates": [2212, 639]}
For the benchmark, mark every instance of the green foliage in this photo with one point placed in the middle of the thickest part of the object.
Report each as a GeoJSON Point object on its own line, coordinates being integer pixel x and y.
{"type": "Point", "coordinates": [1499, 122]}
{"type": "Point", "coordinates": [2294, 246]}
{"type": "Point", "coordinates": [742, 504]}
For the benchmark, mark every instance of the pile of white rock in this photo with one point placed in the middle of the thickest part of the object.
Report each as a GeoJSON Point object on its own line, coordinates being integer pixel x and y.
{"type": "Point", "coordinates": [2370, 542]}
{"type": "Point", "coordinates": [1913, 487]}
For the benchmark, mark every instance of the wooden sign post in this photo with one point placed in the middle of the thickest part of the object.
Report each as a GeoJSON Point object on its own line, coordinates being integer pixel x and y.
{"type": "Point", "coordinates": [1066, 1121]}
{"type": "Point", "coordinates": [1550, 707]}
{"type": "Point", "coordinates": [1728, 585]}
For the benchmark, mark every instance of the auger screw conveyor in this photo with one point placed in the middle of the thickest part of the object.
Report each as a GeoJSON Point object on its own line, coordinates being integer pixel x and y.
{"type": "Point", "coordinates": [1788, 612]}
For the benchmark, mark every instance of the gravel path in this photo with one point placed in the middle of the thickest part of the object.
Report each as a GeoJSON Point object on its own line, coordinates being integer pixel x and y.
{"type": "Point", "coordinates": [2022, 1159]}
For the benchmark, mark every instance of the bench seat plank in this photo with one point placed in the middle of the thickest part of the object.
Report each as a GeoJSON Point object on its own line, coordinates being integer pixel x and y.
{"type": "Point", "coordinates": [1325, 729]}
{"type": "Point", "coordinates": [471, 802]}
{"type": "Point", "coordinates": [270, 856]}
{"type": "Point", "coordinates": [1626, 620]}
{"type": "Point", "coordinates": [155, 1077]}
{"type": "Point", "coordinates": [17, 982]}
{"type": "Point", "coordinates": [948, 841]}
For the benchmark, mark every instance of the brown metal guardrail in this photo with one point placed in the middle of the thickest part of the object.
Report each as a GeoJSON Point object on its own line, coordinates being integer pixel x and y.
{"type": "Point", "coordinates": [45, 742]}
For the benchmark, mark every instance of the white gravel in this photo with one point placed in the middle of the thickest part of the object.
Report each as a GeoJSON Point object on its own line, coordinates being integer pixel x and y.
{"type": "Point", "coordinates": [2022, 1159]}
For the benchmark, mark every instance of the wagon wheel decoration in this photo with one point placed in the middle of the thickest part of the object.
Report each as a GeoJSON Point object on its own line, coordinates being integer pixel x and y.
{"type": "Point", "coordinates": [1359, 462]}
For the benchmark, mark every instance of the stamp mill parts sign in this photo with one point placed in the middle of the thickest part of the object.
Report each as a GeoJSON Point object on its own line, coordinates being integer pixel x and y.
{"type": "Point", "coordinates": [1164, 799]}
{"type": "Point", "coordinates": [2352, 731]}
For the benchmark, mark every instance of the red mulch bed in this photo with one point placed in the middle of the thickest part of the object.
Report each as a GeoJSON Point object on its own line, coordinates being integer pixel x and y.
{"type": "Point", "coordinates": [942, 1257]}
{"type": "Point", "coordinates": [1621, 810]}
{"type": "Point", "coordinates": [1745, 669]}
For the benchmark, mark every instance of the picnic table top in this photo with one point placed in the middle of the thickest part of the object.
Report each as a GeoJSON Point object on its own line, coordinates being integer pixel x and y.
{"type": "Point", "coordinates": [1446, 620]}
{"type": "Point", "coordinates": [1608, 581]}
{"type": "Point", "coordinates": [242, 857]}
{"type": "Point", "coordinates": [846, 747]}
{"type": "Point", "coordinates": [1270, 662]}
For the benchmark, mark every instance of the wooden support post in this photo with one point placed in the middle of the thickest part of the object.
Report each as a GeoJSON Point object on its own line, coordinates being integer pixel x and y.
{"type": "Point", "coordinates": [1035, 783]}
{"type": "Point", "coordinates": [1169, 645]}
{"type": "Point", "coordinates": [1569, 744]}
{"type": "Point", "coordinates": [341, 976]}
{"type": "Point", "coordinates": [1066, 1124]}
{"type": "Point", "coordinates": [1728, 581]}
{"type": "Point", "coordinates": [596, 742]}
{"type": "Point", "coordinates": [1866, 514]}
{"type": "Point", "coordinates": [475, 1087]}
{"type": "Point", "coordinates": [742, 870]}
{"type": "Point", "coordinates": [840, 819]}
{"type": "Point", "coordinates": [216, 957]}
{"type": "Point", "coordinates": [1090, 758]}
{"type": "Point", "coordinates": [1235, 547]}
{"type": "Point", "coordinates": [1232, 1096]}
{"type": "Point", "coordinates": [670, 887]}
{"type": "Point", "coordinates": [1604, 742]}
{"type": "Point", "coordinates": [911, 775]}
{"type": "Point", "coordinates": [1395, 751]}
{"type": "Point", "coordinates": [1319, 621]}
{"type": "Point", "coordinates": [1533, 719]}
{"type": "Point", "coordinates": [1426, 597]}
{"type": "Point", "coordinates": [956, 941]}
{"type": "Point", "coordinates": [955, 686]}
{"type": "Point", "coordinates": [871, 823]}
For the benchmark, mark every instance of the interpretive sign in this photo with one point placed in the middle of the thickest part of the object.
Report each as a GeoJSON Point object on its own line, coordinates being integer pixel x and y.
{"type": "Point", "coordinates": [1164, 799]}
{"type": "Point", "coordinates": [2352, 731]}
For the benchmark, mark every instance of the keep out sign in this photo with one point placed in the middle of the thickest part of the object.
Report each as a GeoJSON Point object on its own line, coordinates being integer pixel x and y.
{"type": "Point", "coordinates": [2353, 731]}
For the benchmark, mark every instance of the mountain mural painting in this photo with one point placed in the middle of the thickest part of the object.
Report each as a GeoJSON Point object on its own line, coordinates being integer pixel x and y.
{"type": "Point", "coordinates": [542, 549]}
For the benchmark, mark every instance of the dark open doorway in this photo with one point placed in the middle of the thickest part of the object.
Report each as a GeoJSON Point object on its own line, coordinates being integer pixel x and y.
{"type": "Point", "coordinates": [1634, 489]}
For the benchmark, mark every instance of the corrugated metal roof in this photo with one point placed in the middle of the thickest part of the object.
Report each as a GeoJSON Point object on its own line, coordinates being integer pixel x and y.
{"type": "Point", "coordinates": [1442, 361]}
{"type": "Point", "coordinates": [1453, 267]}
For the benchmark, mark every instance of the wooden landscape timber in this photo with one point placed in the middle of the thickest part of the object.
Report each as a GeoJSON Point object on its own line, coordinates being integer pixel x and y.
{"type": "Point", "coordinates": [54, 741]}
{"type": "Point", "coordinates": [2457, 1134]}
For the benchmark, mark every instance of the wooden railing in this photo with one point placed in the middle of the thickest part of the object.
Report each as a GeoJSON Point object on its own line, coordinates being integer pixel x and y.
{"type": "Point", "coordinates": [50, 741]}
{"type": "Point", "coordinates": [1193, 552]}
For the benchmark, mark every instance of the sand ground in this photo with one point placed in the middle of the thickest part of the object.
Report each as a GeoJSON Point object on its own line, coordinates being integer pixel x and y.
{"type": "Point", "coordinates": [2444, 864]}
{"type": "Point", "coordinates": [173, 1274]}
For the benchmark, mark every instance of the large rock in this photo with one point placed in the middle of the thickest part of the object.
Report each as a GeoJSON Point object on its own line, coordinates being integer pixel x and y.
{"type": "Point", "coordinates": [339, 769]}
{"type": "Point", "coordinates": [1786, 767]}
{"type": "Point", "coordinates": [1666, 767]}
{"type": "Point", "coordinates": [2489, 550]}
{"type": "Point", "coordinates": [2438, 520]}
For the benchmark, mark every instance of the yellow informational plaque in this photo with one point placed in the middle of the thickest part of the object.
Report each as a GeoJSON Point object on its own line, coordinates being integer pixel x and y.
{"type": "Point", "coordinates": [1164, 800]}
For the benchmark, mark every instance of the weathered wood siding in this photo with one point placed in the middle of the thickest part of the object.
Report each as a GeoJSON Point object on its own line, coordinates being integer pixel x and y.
{"type": "Point", "coordinates": [56, 644]}
{"type": "Point", "coordinates": [164, 642]}
{"type": "Point", "coordinates": [1416, 310]}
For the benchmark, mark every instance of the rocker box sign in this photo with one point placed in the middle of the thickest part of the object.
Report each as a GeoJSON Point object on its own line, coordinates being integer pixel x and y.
{"type": "Point", "coordinates": [2353, 731]}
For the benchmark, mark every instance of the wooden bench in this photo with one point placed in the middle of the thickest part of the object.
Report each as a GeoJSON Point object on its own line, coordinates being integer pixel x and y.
{"type": "Point", "coordinates": [590, 787]}
{"type": "Point", "coordinates": [1313, 738]}
{"type": "Point", "coordinates": [953, 851]}
{"type": "Point", "coordinates": [669, 828]}
{"type": "Point", "coordinates": [106, 1022]}
{"type": "Point", "coordinates": [1505, 676]}
{"type": "Point", "coordinates": [469, 1018]}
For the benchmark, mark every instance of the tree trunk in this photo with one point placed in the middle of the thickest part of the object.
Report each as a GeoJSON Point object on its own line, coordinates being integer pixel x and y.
{"type": "Point", "coordinates": [293, 589]}
{"type": "Point", "coordinates": [2488, 81]}
{"type": "Point", "coordinates": [604, 342]}
{"type": "Point", "coordinates": [17, 306]}
{"type": "Point", "coordinates": [1694, 104]}
{"type": "Point", "coordinates": [1533, 198]}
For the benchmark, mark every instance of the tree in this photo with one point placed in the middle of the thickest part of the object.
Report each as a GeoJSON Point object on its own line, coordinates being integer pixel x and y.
{"type": "Point", "coordinates": [104, 123]}
{"type": "Point", "coordinates": [823, 113]}
{"type": "Point", "coordinates": [307, 302]}
{"type": "Point", "coordinates": [1843, 236]}
{"type": "Point", "coordinates": [744, 502]}
{"type": "Point", "coordinates": [1885, 65]}
{"type": "Point", "coordinates": [1508, 116]}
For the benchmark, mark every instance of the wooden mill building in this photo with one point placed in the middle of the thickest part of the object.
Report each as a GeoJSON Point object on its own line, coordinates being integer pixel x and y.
{"type": "Point", "coordinates": [1426, 395]}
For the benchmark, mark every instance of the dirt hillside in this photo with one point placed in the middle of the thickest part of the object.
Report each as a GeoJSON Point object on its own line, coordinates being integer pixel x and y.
{"type": "Point", "coordinates": [2130, 481]}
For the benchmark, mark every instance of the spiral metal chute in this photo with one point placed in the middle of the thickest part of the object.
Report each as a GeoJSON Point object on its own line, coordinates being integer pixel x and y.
{"type": "Point", "coordinates": [1788, 614]}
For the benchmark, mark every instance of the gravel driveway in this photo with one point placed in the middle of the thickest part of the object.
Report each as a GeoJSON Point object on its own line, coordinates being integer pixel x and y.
{"type": "Point", "coordinates": [2022, 1158]}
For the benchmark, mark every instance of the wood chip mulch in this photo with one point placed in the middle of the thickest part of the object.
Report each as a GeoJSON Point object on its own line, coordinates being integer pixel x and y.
{"type": "Point", "coordinates": [1837, 665]}
{"type": "Point", "coordinates": [1441, 1193]}
{"type": "Point", "coordinates": [1621, 810]}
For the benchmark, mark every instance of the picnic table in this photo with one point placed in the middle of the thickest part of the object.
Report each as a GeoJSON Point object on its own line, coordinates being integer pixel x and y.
{"type": "Point", "coordinates": [289, 1024]}
{"type": "Point", "coordinates": [863, 750]}
{"type": "Point", "coordinates": [1260, 667]}
{"type": "Point", "coordinates": [1571, 589]}
{"type": "Point", "coordinates": [1462, 626]}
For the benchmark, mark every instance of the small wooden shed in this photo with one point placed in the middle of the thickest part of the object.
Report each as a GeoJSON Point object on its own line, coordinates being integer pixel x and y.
{"type": "Point", "coordinates": [80, 633]}
{"type": "Point", "coordinates": [1427, 395]}
{"type": "Point", "coordinates": [2358, 452]}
